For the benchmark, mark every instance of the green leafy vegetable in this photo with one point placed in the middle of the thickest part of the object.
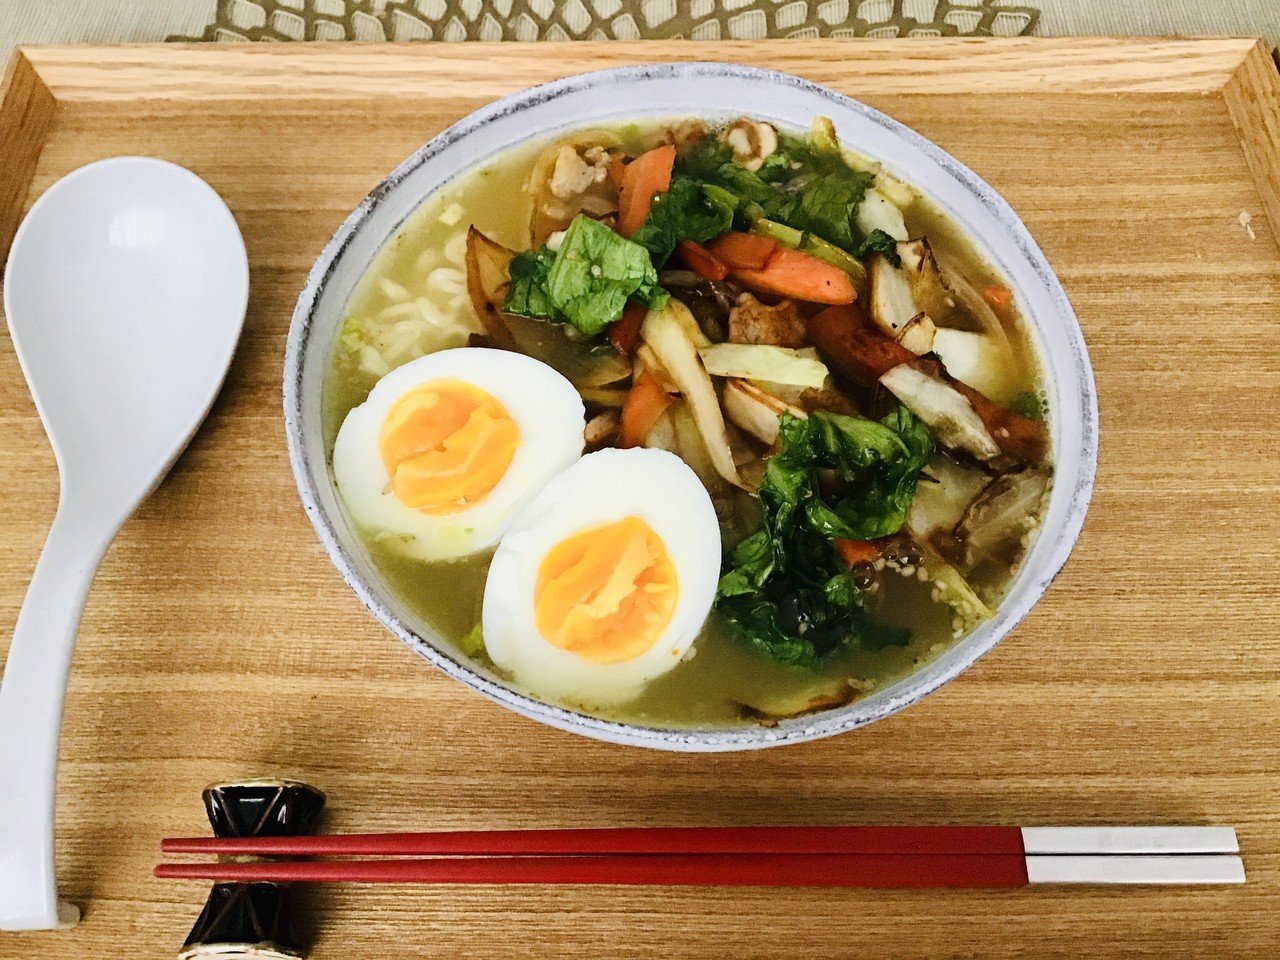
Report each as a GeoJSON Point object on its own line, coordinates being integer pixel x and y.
{"type": "Point", "coordinates": [786, 590]}
{"type": "Point", "coordinates": [527, 294]}
{"type": "Point", "coordinates": [689, 210]}
{"type": "Point", "coordinates": [807, 187]}
{"type": "Point", "coordinates": [586, 282]}
{"type": "Point", "coordinates": [1031, 405]}
{"type": "Point", "coordinates": [877, 241]}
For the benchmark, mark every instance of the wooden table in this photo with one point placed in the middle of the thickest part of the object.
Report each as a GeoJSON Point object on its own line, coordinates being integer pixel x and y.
{"type": "Point", "coordinates": [219, 642]}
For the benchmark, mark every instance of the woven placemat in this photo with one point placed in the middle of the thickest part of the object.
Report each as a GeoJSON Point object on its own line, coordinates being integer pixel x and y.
{"type": "Point", "coordinates": [453, 20]}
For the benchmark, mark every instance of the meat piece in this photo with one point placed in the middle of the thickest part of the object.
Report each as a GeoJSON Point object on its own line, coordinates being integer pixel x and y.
{"type": "Point", "coordinates": [781, 325]}
{"type": "Point", "coordinates": [572, 177]}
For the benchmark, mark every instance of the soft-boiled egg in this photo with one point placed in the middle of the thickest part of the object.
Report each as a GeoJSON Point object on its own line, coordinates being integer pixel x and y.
{"type": "Point", "coordinates": [446, 449]}
{"type": "Point", "coordinates": [604, 580]}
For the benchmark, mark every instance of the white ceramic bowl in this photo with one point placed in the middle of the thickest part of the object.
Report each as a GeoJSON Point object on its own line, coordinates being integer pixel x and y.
{"type": "Point", "coordinates": [710, 90]}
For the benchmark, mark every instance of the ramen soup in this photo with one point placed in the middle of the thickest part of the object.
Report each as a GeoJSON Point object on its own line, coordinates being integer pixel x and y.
{"type": "Point", "coordinates": [684, 424]}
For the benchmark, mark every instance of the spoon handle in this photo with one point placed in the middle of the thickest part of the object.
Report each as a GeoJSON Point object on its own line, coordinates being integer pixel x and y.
{"type": "Point", "coordinates": [31, 695]}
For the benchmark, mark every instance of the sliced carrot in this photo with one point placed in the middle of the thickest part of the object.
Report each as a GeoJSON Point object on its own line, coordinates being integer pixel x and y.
{"type": "Point", "coordinates": [1020, 437]}
{"type": "Point", "coordinates": [645, 176]}
{"type": "Point", "coordinates": [624, 333]}
{"type": "Point", "coordinates": [645, 403]}
{"type": "Point", "coordinates": [999, 298]}
{"type": "Point", "coordinates": [854, 552]}
{"type": "Point", "coordinates": [743, 251]}
{"type": "Point", "coordinates": [701, 260]}
{"type": "Point", "coordinates": [617, 167]}
{"type": "Point", "coordinates": [798, 276]}
{"type": "Point", "coordinates": [844, 338]}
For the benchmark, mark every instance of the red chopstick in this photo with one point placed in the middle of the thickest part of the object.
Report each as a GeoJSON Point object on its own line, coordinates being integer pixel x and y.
{"type": "Point", "coordinates": [709, 869]}
{"type": "Point", "coordinates": [931, 840]}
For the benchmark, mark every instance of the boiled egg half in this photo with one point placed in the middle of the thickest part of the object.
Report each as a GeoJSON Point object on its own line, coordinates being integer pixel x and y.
{"type": "Point", "coordinates": [447, 448]}
{"type": "Point", "coordinates": [604, 580]}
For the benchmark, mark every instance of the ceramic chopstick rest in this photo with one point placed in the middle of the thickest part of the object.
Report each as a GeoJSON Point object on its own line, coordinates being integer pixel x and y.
{"type": "Point", "coordinates": [253, 919]}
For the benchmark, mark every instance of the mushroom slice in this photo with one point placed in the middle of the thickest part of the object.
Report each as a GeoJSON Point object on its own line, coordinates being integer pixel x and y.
{"type": "Point", "coordinates": [943, 409]}
{"type": "Point", "coordinates": [894, 308]}
{"type": "Point", "coordinates": [755, 411]}
{"type": "Point", "coordinates": [488, 264]}
{"type": "Point", "coordinates": [929, 289]}
{"type": "Point", "coordinates": [673, 336]}
{"type": "Point", "coordinates": [752, 142]}
{"type": "Point", "coordinates": [996, 522]}
{"type": "Point", "coordinates": [769, 707]}
{"type": "Point", "coordinates": [601, 430]}
{"type": "Point", "coordinates": [609, 397]}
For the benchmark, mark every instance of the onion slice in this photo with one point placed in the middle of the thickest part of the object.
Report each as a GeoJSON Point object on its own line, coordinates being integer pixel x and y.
{"type": "Point", "coordinates": [670, 334]}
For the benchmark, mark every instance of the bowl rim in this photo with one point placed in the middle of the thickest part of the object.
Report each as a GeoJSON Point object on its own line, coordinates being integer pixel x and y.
{"type": "Point", "coordinates": [1012, 609]}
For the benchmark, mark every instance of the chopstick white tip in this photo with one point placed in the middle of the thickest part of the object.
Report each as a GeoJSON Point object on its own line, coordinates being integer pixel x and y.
{"type": "Point", "coordinates": [1136, 870]}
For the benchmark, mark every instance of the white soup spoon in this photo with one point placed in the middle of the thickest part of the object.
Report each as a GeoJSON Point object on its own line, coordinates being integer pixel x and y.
{"type": "Point", "coordinates": [125, 293]}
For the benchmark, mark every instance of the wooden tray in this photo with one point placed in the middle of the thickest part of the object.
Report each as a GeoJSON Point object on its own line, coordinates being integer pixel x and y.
{"type": "Point", "coordinates": [219, 642]}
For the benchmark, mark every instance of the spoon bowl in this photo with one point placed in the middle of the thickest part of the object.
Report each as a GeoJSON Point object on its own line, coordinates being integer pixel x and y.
{"type": "Point", "coordinates": [125, 293]}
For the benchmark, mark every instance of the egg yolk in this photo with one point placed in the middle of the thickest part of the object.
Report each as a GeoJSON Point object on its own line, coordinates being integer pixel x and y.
{"type": "Point", "coordinates": [606, 593]}
{"type": "Point", "coordinates": [446, 444]}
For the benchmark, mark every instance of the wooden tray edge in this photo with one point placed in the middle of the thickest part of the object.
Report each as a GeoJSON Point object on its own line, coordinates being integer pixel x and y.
{"type": "Point", "coordinates": [28, 111]}
{"type": "Point", "coordinates": [1252, 96]}
{"type": "Point", "coordinates": [1241, 71]}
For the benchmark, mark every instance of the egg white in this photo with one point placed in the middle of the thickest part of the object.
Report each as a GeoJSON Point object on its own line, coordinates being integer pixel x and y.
{"type": "Point", "coordinates": [602, 487]}
{"type": "Point", "coordinates": [544, 405]}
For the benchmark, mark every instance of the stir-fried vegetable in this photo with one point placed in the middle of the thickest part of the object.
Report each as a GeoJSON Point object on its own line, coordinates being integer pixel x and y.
{"type": "Point", "coordinates": [947, 413]}
{"type": "Point", "coordinates": [644, 177]}
{"type": "Point", "coordinates": [756, 411]}
{"type": "Point", "coordinates": [894, 308]}
{"type": "Point", "coordinates": [673, 336]}
{"type": "Point", "coordinates": [743, 251]}
{"type": "Point", "coordinates": [586, 282]}
{"type": "Point", "coordinates": [787, 590]}
{"type": "Point", "coordinates": [701, 260]}
{"type": "Point", "coordinates": [646, 402]}
{"type": "Point", "coordinates": [687, 210]}
{"type": "Point", "coordinates": [800, 276]}
{"type": "Point", "coordinates": [806, 187]}
{"type": "Point", "coordinates": [843, 337]}
{"type": "Point", "coordinates": [758, 361]}
{"type": "Point", "coordinates": [800, 240]}
{"type": "Point", "coordinates": [488, 267]}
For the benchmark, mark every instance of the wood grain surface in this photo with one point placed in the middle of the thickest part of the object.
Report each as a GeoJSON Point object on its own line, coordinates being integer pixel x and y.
{"type": "Point", "coordinates": [219, 642]}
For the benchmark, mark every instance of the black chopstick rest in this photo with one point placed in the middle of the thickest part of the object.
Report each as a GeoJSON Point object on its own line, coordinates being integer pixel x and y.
{"type": "Point", "coordinates": [253, 919]}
